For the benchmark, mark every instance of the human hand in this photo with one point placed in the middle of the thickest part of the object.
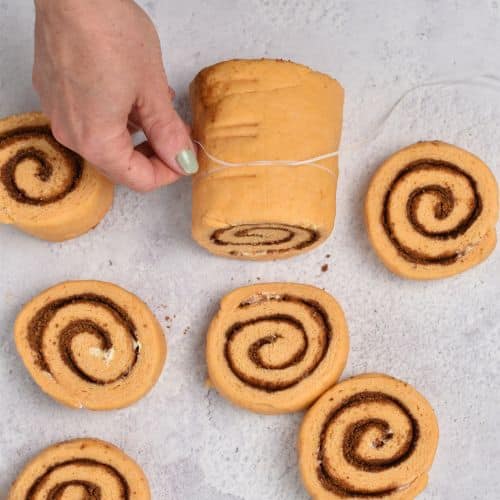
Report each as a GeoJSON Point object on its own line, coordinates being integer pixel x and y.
{"type": "Point", "coordinates": [99, 73]}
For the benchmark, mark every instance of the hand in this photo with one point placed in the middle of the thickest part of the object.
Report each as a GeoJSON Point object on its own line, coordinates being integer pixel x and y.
{"type": "Point", "coordinates": [98, 70]}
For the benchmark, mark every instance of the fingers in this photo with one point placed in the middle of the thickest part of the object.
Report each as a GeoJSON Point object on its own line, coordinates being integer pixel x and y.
{"type": "Point", "coordinates": [168, 135]}
{"type": "Point", "coordinates": [116, 158]}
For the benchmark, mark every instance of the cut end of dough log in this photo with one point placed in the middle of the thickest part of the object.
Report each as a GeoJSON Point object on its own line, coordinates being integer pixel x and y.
{"type": "Point", "coordinates": [81, 468]}
{"type": "Point", "coordinates": [431, 211]}
{"type": "Point", "coordinates": [371, 436]}
{"type": "Point", "coordinates": [91, 344]}
{"type": "Point", "coordinates": [47, 190]}
{"type": "Point", "coordinates": [274, 348]}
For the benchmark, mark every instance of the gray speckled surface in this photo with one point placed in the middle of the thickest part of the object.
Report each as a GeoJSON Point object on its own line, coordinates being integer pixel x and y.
{"type": "Point", "coordinates": [440, 336]}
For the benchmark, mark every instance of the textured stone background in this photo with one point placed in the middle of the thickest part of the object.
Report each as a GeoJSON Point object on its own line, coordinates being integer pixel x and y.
{"type": "Point", "coordinates": [440, 336]}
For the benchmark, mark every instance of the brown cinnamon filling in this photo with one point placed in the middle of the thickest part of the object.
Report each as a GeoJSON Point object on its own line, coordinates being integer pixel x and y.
{"type": "Point", "coordinates": [45, 168]}
{"type": "Point", "coordinates": [352, 440]}
{"type": "Point", "coordinates": [257, 230]}
{"type": "Point", "coordinates": [443, 207]}
{"type": "Point", "coordinates": [319, 315]}
{"type": "Point", "coordinates": [91, 490]}
{"type": "Point", "coordinates": [42, 318]}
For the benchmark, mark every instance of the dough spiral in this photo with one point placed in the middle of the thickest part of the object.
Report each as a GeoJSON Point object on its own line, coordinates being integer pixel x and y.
{"type": "Point", "coordinates": [431, 211]}
{"type": "Point", "coordinates": [91, 344]}
{"type": "Point", "coordinates": [274, 348]}
{"type": "Point", "coordinates": [250, 239]}
{"type": "Point", "coordinates": [371, 436]}
{"type": "Point", "coordinates": [46, 189]}
{"type": "Point", "coordinates": [82, 468]}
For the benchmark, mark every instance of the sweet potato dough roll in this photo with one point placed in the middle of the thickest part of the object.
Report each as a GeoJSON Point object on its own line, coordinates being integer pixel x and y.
{"type": "Point", "coordinates": [46, 190]}
{"type": "Point", "coordinates": [254, 121]}
{"type": "Point", "coordinates": [86, 468]}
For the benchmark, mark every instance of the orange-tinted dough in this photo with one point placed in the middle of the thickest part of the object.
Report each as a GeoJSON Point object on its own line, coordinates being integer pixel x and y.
{"type": "Point", "coordinates": [370, 436]}
{"type": "Point", "coordinates": [276, 347]}
{"type": "Point", "coordinates": [81, 469]}
{"type": "Point", "coordinates": [46, 190]}
{"type": "Point", "coordinates": [251, 110]}
{"type": "Point", "coordinates": [91, 344]}
{"type": "Point", "coordinates": [431, 211]}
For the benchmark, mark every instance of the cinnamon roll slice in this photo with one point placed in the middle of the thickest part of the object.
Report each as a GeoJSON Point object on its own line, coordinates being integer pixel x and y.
{"type": "Point", "coordinates": [275, 348]}
{"type": "Point", "coordinates": [87, 469]}
{"type": "Point", "coordinates": [247, 111]}
{"type": "Point", "coordinates": [431, 211]}
{"type": "Point", "coordinates": [370, 436]}
{"type": "Point", "coordinates": [91, 344]}
{"type": "Point", "coordinates": [47, 190]}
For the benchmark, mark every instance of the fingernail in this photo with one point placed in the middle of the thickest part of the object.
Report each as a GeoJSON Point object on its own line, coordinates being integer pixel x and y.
{"type": "Point", "coordinates": [186, 159]}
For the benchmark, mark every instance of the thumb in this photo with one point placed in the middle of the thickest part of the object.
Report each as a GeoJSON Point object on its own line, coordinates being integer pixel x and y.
{"type": "Point", "coordinates": [167, 134]}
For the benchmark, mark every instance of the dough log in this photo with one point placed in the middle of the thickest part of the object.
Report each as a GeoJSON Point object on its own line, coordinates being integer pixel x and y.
{"type": "Point", "coordinates": [253, 110]}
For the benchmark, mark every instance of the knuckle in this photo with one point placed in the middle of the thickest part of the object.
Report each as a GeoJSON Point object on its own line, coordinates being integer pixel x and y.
{"type": "Point", "coordinates": [138, 183]}
{"type": "Point", "coordinates": [162, 127]}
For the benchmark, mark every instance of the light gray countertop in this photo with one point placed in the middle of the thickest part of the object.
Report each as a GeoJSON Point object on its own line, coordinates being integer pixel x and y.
{"type": "Point", "coordinates": [441, 336]}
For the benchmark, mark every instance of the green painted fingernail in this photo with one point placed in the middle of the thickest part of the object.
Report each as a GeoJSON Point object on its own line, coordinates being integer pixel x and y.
{"type": "Point", "coordinates": [186, 159]}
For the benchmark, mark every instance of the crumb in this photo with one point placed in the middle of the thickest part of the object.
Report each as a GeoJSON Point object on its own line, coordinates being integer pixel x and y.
{"type": "Point", "coordinates": [187, 330]}
{"type": "Point", "coordinates": [168, 319]}
{"type": "Point", "coordinates": [110, 262]}
{"type": "Point", "coordinates": [327, 255]}
{"type": "Point", "coordinates": [324, 268]}
{"type": "Point", "coordinates": [258, 278]}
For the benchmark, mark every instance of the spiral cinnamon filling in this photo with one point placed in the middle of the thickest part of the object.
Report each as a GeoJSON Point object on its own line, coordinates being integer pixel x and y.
{"type": "Point", "coordinates": [443, 208]}
{"type": "Point", "coordinates": [352, 439]}
{"type": "Point", "coordinates": [89, 490]}
{"type": "Point", "coordinates": [266, 237]}
{"type": "Point", "coordinates": [45, 167]}
{"type": "Point", "coordinates": [44, 316]}
{"type": "Point", "coordinates": [269, 321]}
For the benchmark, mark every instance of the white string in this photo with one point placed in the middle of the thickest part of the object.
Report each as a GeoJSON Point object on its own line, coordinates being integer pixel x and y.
{"type": "Point", "coordinates": [491, 81]}
{"type": "Point", "coordinates": [291, 163]}
{"type": "Point", "coordinates": [261, 163]}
